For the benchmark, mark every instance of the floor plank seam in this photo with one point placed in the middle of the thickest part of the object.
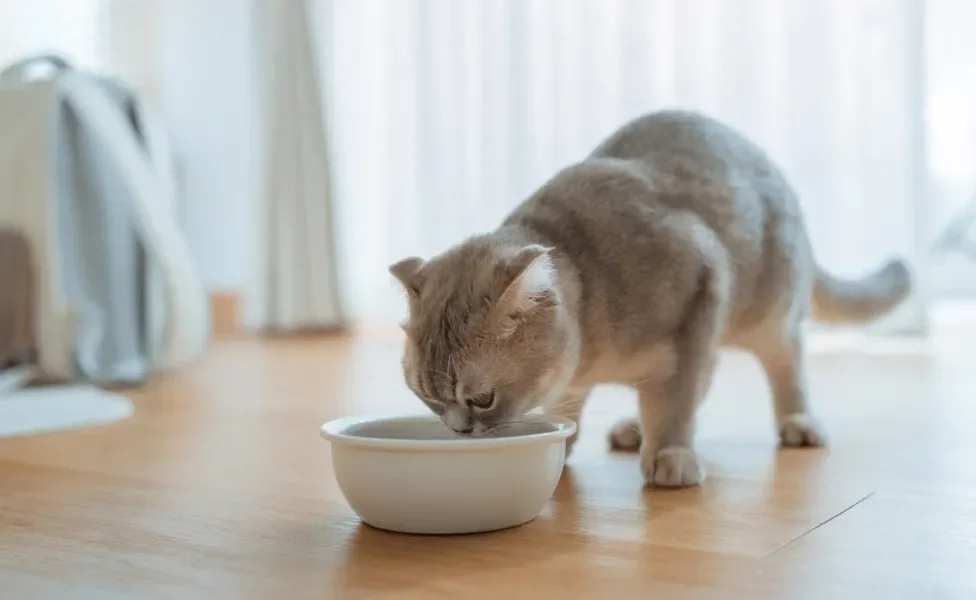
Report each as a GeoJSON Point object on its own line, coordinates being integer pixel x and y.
{"type": "Point", "coordinates": [818, 525]}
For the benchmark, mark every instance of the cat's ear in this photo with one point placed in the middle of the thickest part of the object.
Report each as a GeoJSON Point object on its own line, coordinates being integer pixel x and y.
{"type": "Point", "coordinates": [532, 286]}
{"type": "Point", "coordinates": [407, 272]}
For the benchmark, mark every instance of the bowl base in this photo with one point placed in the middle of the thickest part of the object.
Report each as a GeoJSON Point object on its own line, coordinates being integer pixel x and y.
{"type": "Point", "coordinates": [434, 531]}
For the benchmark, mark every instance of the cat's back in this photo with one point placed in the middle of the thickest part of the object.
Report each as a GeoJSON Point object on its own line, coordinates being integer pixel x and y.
{"type": "Point", "coordinates": [674, 140]}
{"type": "Point", "coordinates": [698, 163]}
{"type": "Point", "coordinates": [665, 161]}
{"type": "Point", "coordinates": [609, 211]}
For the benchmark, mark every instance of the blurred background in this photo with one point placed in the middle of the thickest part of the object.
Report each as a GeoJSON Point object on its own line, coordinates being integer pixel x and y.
{"type": "Point", "coordinates": [180, 176]}
{"type": "Point", "coordinates": [438, 116]}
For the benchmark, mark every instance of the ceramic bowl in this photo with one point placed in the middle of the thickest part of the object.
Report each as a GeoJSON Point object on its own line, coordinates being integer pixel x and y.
{"type": "Point", "coordinates": [411, 474]}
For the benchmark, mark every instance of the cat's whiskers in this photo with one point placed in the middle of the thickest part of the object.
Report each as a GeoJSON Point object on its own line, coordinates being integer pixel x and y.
{"type": "Point", "coordinates": [648, 380]}
{"type": "Point", "coordinates": [447, 376]}
{"type": "Point", "coordinates": [571, 400]}
{"type": "Point", "coordinates": [423, 428]}
{"type": "Point", "coordinates": [522, 421]}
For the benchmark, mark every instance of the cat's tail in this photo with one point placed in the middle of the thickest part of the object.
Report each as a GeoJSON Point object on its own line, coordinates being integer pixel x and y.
{"type": "Point", "coordinates": [837, 300]}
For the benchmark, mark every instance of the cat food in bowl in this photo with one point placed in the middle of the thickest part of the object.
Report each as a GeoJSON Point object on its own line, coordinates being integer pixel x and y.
{"type": "Point", "coordinates": [411, 474]}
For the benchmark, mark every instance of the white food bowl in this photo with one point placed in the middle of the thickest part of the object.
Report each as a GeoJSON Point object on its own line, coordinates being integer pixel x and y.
{"type": "Point", "coordinates": [412, 474]}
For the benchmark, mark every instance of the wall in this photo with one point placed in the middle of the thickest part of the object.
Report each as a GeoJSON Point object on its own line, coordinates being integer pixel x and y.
{"type": "Point", "coordinates": [204, 80]}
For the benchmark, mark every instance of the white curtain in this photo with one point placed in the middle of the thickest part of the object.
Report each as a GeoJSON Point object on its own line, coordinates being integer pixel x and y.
{"type": "Point", "coordinates": [296, 285]}
{"type": "Point", "coordinates": [951, 119]}
{"type": "Point", "coordinates": [446, 113]}
{"type": "Point", "coordinates": [117, 37]}
{"type": "Point", "coordinates": [77, 29]}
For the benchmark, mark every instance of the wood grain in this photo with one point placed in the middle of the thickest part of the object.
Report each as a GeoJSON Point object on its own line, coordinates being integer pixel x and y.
{"type": "Point", "coordinates": [219, 487]}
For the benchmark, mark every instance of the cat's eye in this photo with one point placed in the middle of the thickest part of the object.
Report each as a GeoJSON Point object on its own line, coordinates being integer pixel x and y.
{"type": "Point", "coordinates": [482, 401]}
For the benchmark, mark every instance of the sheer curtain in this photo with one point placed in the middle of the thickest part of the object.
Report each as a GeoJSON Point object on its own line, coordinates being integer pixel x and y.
{"type": "Point", "coordinates": [951, 119]}
{"type": "Point", "coordinates": [110, 36]}
{"type": "Point", "coordinates": [445, 114]}
{"type": "Point", "coordinates": [76, 29]}
{"type": "Point", "coordinates": [294, 286]}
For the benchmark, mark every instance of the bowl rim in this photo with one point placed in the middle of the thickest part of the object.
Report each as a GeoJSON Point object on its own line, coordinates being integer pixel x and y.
{"type": "Point", "coordinates": [335, 432]}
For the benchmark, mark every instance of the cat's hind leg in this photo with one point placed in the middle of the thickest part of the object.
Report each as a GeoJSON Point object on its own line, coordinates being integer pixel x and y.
{"type": "Point", "coordinates": [625, 435]}
{"type": "Point", "coordinates": [780, 351]}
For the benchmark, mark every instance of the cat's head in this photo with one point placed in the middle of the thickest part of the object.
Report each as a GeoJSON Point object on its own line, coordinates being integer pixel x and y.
{"type": "Point", "coordinates": [488, 338]}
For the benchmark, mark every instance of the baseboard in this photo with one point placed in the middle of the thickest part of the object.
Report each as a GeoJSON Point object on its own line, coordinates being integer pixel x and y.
{"type": "Point", "coordinates": [225, 313]}
{"type": "Point", "coordinates": [227, 319]}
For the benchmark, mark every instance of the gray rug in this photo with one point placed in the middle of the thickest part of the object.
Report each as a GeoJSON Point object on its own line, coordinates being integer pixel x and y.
{"type": "Point", "coordinates": [36, 410]}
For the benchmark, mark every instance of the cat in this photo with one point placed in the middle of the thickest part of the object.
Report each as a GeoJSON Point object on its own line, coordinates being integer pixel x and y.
{"type": "Point", "coordinates": [675, 237]}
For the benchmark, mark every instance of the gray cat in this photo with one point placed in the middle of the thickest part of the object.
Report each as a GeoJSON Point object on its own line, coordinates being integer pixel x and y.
{"type": "Point", "coordinates": [675, 237]}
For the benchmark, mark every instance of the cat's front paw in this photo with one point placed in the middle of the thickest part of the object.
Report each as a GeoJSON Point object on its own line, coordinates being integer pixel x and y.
{"type": "Point", "coordinates": [672, 467]}
{"type": "Point", "coordinates": [801, 429]}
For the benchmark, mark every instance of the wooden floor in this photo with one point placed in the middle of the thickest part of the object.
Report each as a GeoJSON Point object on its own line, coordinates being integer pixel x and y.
{"type": "Point", "coordinates": [219, 487]}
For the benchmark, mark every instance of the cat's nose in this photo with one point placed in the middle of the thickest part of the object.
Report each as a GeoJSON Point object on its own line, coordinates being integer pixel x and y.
{"type": "Point", "coordinates": [458, 420]}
